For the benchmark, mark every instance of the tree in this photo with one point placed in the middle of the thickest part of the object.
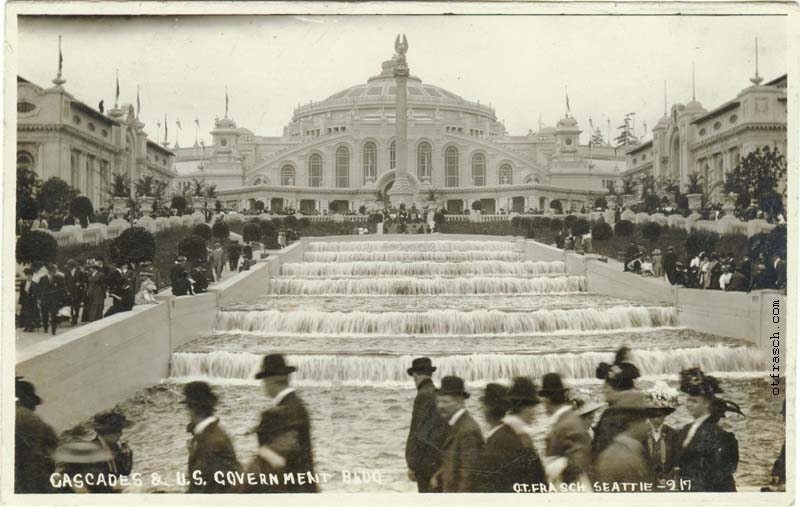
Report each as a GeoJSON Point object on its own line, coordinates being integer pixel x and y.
{"type": "Point", "coordinates": [651, 203]}
{"type": "Point", "coordinates": [626, 136]}
{"type": "Point", "coordinates": [601, 231]}
{"type": "Point", "coordinates": [221, 230]}
{"type": "Point", "coordinates": [159, 187]}
{"type": "Point", "coordinates": [251, 232]}
{"type": "Point", "coordinates": [28, 187]}
{"type": "Point", "coordinates": [194, 248]}
{"type": "Point", "coordinates": [145, 186]}
{"type": "Point", "coordinates": [476, 205]}
{"type": "Point", "coordinates": [198, 187]}
{"type": "Point", "coordinates": [217, 206]}
{"type": "Point", "coordinates": [259, 206]}
{"type": "Point", "coordinates": [600, 203]}
{"type": "Point", "coordinates": [36, 247]}
{"type": "Point", "coordinates": [597, 138]}
{"type": "Point", "coordinates": [628, 186]}
{"type": "Point", "coordinates": [202, 230]}
{"type": "Point", "coordinates": [756, 177]}
{"type": "Point", "coordinates": [694, 184]}
{"type": "Point", "coordinates": [82, 209]}
{"type": "Point", "coordinates": [120, 186]}
{"type": "Point", "coordinates": [211, 191]}
{"type": "Point", "coordinates": [55, 195]}
{"type": "Point", "coordinates": [178, 203]}
{"type": "Point", "coordinates": [135, 244]}
{"type": "Point", "coordinates": [290, 221]}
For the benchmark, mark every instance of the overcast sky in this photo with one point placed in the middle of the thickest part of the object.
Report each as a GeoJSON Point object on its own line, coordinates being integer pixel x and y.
{"type": "Point", "coordinates": [519, 64]}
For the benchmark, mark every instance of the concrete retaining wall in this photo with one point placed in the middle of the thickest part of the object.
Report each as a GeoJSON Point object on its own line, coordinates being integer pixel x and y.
{"type": "Point", "coordinates": [89, 369]}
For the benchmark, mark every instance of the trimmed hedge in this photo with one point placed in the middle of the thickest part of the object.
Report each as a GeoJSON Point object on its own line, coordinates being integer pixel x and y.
{"type": "Point", "coordinates": [732, 243]}
{"type": "Point", "coordinates": [701, 241]}
{"type": "Point", "coordinates": [135, 244]}
{"type": "Point", "coordinates": [290, 221]}
{"type": "Point", "coordinates": [581, 226]}
{"type": "Point", "coordinates": [601, 231]}
{"type": "Point", "coordinates": [556, 224]}
{"type": "Point", "coordinates": [36, 246]}
{"type": "Point", "coordinates": [623, 228]}
{"type": "Point", "coordinates": [651, 231]}
{"type": "Point", "coordinates": [251, 232]}
{"type": "Point", "coordinates": [221, 230]}
{"type": "Point", "coordinates": [194, 247]}
{"type": "Point", "coordinates": [203, 230]}
{"type": "Point", "coordinates": [569, 221]}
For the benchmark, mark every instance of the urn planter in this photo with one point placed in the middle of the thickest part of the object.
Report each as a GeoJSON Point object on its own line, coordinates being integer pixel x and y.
{"type": "Point", "coordinates": [695, 201]}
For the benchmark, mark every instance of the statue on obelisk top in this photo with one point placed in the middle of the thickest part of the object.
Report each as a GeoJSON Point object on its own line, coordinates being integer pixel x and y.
{"type": "Point", "coordinates": [402, 189]}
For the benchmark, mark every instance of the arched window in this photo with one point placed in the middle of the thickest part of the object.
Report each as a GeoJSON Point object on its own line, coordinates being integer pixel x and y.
{"type": "Point", "coordinates": [479, 170]}
{"type": "Point", "coordinates": [315, 170]}
{"type": "Point", "coordinates": [424, 161]}
{"type": "Point", "coordinates": [342, 167]}
{"type": "Point", "coordinates": [451, 166]}
{"type": "Point", "coordinates": [506, 174]}
{"type": "Point", "coordinates": [287, 176]}
{"type": "Point", "coordinates": [370, 162]}
{"type": "Point", "coordinates": [392, 155]}
{"type": "Point", "coordinates": [24, 161]}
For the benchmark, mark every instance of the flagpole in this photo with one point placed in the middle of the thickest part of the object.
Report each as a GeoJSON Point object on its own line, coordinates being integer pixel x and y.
{"type": "Point", "coordinates": [116, 96]}
{"type": "Point", "coordinates": [58, 81]}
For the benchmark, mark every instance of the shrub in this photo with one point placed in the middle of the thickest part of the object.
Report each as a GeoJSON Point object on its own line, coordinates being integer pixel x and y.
{"type": "Point", "coordinates": [540, 222]}
{"type": "Point", "coordinates": [581, 226]}
{"type": "Point", "coordinates": [290, 221]}
{"type": "Point", "coordinates": [362, 210]}
{"type": "Point", "coordinates": [36, 246]}
{"type": "Point", "coordinates": [135, 244]}
{"type": "Point", "coordinates": [439, 219]}
{"type": "Point", "coordinates": [516, 222]}
{"type": "Point", "coordinates": [221, 230]}
{"type": "Point", "coordinates": [556, 224]}
{"type": "Point", "coordinates": [733, 243]}
{"type": "Point", "coordinates": [375, 218]}
{"type": "Point", "coordinates": [251, 232]}
{"type": "Point", "coordinates": [651, 231]}
{"type": "Point", "coordinates": [701, 241]}
{"type": "Point", "coordinates": [277, 222]}
{"type": "Point", "coordinates": [304, 222]}
{"type": "Point", "coordinates": [601, 231]}
{"type": "Point", "coordinates": [623, 228]}
{"type": "Point", "coordinates": [194, 248]}
{"type": "Point", "coordinates": [601, 203]}
{"type": "Point", "coordinates": [268, 229]}
{"type": "Point", "coordinates": [768, 243]}
{"type": "Point", "coordinates": [82, 209]}
{"type": "Point", "coordinates": [531, 233]}
{"type": "Point", "coordinates": [203, 230]}
{"type": "Point", "coordinates": [777, 240]}
{"type": "Point", "coordinates": [179, 203]}
{"type": "Point", "coordinates": [569, 221]}
{"type": "Point", "coordinates": [651, 203]}
{"type": "Point", "coordinates": [259, 206]}
{"type": "Point", "coordinates": [476, 205]}
{"type": "Point", "coordinates": [56, 195]}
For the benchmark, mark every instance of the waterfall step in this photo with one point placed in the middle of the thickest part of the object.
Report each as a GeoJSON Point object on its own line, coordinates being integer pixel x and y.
{"type": "Point", "coordinates": [410, 256]}
{"type": "Point", "coordinates": [446, 322]}
{"type": "Point", "coordinates": [422, 268]}
{"type": "Point", "coordinates": [471, 367]}
{"type": "Point", "coordinates": [413, 286]}
{"type": "Point", "coordinates": [408, 246]}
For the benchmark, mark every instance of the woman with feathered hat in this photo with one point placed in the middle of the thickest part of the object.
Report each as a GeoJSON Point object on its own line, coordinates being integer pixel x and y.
{"type": "Point", "coordinates": [619, 377]}
{"type": "Point", "coordinates": [710, 455]}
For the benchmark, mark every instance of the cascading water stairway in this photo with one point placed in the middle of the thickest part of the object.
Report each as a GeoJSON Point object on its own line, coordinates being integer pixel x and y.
{"type": "Point", "coordinates": [470, 275]}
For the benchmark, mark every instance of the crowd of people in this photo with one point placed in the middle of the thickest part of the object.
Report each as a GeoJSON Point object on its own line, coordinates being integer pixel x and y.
{"type": "Point", "coordinates": [49, 296]}
{"type": "Point", "coordinates": [712, 271]}
{"type": "Point", "coordinates": [629, 448]}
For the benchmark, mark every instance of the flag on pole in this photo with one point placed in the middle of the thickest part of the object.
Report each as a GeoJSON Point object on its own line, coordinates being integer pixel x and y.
{"type": "Point", "coordinates": [116, 96]}
{"type": "Point", "coordinates": [226, 102]}
{"type": "Point", "coordinates": [60, 57]}
{"type": "Point", "coordinates": [138, 102]}
{"type": "Point", "coordinates": [567, 94]}
{"type": "Point", "coordinates": [166, 127]}
{"type": "Point", "coordinates": [196, 121]}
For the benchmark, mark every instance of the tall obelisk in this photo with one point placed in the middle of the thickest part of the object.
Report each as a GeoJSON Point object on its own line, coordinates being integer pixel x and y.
{"type": "Point", "coordinates": [402, 190]}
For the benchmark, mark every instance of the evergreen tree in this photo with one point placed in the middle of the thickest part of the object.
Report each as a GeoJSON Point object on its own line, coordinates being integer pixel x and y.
{"type": "Point", "coordinates": [597, 138]}
{"type": "Point", "coordinates": [757, 177]}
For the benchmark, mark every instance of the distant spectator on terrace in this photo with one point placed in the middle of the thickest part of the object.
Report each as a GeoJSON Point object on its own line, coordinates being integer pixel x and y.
{"type": "Point", "coordinates": [147, 290]}
{"type": "Point", "coordinates": [182, 286]}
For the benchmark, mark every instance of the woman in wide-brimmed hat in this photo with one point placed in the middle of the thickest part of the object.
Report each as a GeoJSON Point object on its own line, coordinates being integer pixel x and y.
{"type": "Point", "coordinates": [663, 444]}
{"type": "Point", "coordinates": [78, 460]}
{"type": "Point", "coordinates": [619, 377]}
{"type": "Point", "coordinates": [710, 455]}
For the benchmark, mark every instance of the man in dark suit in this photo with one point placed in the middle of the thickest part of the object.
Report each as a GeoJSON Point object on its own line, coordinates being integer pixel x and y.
{"type": "Point", "coordinates": [75, 284]}
{"type": "Point", "coordinates": [95, 293]}
{"type": "Point", "coordinates": [502, 445]}
{"type": "Point", "coordinates": [295, 453]}
{"type": "Point", "coordinates": [210, 448]}
{"type": "Point", "coordinates": [427, 430]}
{"type": "Point", "coordinates": [177, 268]}
{"type": "Point", "coordinates": [459, 470]}
{"type": "Point", "coordinates": [181, 286]}
{"type": "Point", "coordinates": [568, 445]}
{"type": "Point", "coordinates": [52, 293]}
{"type": "Point", "coordinates": [662, 448]}
{"type": "Point", "coordinates": [738, 281]}
{"type": "Point", "coordinates": [670, 259]}
{"type": "Point", "coordinates": [109, 426]}
{"type": "Point", "coordinates": [35, 442]}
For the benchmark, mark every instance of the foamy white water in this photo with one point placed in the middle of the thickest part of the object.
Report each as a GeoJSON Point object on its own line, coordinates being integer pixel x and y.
{"type": "Point", "coordinates": [420, 268]}
{"type": "Point", "coordinates": [408, 246]}
{"type": "Point", "coordinates": [407, 256]}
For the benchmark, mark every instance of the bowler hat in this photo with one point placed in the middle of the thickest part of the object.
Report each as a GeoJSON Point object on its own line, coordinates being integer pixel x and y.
{"type": "Point", "coordinates": [586, 407]}
{"type": "Point", "coordinates": [634, 402]}
{"type": "Point", "coordinates": [452, 386]}
{"type": "Point", "coordinates": [25, 392]}
{"type": "Point", "coordinates": [551, 384]}
{"type": "Point", "coordinates": [495, 395]}
{"type": "Point", "coordinates": [421, 365]}
{"type": "Point", "coordinates": [274, 364]}
{"type": "Point", "coordinates": [111, 421]}
{"type": "Point", "coordinates": [199, 394]}
{"type": "Point", "coordinates": [522, 392]}
{"type": "Point", "coordinates": [81, 452]}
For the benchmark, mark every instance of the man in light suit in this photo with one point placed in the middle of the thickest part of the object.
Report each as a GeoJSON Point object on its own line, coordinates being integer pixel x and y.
{"type": "Point", "coordinates": [459, 472]}
{"type": "Point", "coordinates": [568, 451]}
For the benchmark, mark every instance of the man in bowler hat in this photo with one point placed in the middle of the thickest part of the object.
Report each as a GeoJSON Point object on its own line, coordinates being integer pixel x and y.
{"type": "Point", "coordinates": [524, 463]}
{"type": "Point", "coordinates": [459, 472]}
{"type": "Point", "coordinates": [501, 443]}
{"type": "Point", "coordinates": [34, 443]}
{"type": "Point", "coordinates": [295, 452]}
{"type": "Point", "coordinates": [568, 449]}
{"type": "Point", "coordinates": [624, 460]}
{"type": "Point", "coordinates": [210, 448]}
{"type": "Point", "coordinates": [109, 426]}
{"type": "Point", "coordinates": [427, 431]}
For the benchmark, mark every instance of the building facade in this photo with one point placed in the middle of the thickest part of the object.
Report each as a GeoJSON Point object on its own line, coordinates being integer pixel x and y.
{"type": "Point", "coordinates": [691, 139]}
{"type": "Point", "coordinates": [60, 136]}
{"type": "Point", "coordinates": [340, 153]}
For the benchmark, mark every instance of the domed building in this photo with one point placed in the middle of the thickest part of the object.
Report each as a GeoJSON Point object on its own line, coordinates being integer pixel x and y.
{"type": "Point", "coordinates": [342, 152]}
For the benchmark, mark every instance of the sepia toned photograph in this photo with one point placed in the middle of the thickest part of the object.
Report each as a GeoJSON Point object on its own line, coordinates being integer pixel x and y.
{"type": "Point", "coordinates": [336, 250]}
